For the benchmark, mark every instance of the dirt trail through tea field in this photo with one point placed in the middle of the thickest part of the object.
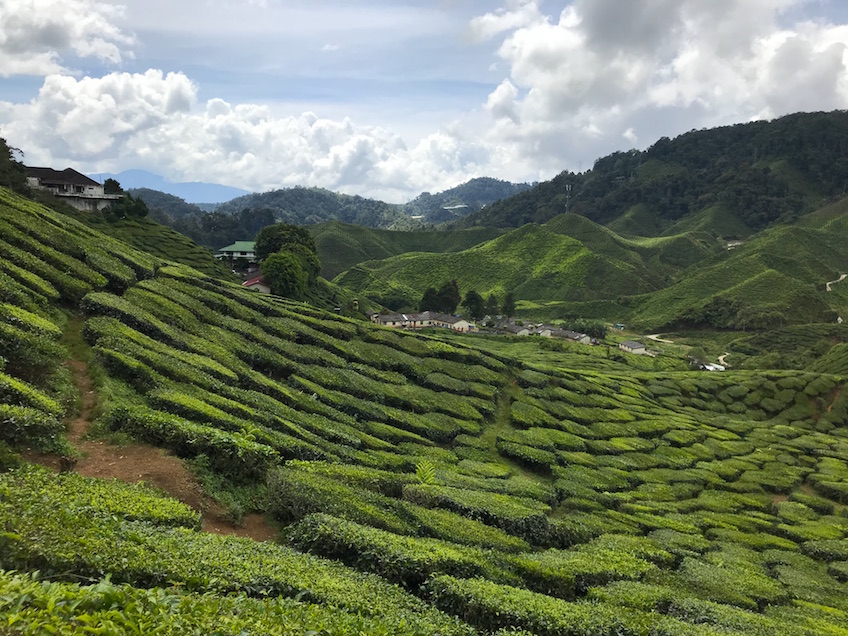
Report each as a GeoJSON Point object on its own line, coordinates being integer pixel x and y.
{"type": "Point", "coordinates": [139, 462]}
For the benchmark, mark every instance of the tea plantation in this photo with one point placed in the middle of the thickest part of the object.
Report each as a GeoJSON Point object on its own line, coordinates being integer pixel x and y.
{"type": "Point", "coordinates": [420, 486]}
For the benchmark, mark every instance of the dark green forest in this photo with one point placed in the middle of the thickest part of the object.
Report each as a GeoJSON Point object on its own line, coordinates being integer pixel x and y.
{"type": "Point", "coordinates": [762, 172]}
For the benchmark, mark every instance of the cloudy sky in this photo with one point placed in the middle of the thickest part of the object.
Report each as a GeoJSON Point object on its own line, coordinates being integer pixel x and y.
{"type": "Point", "coordinates": [387, 98]}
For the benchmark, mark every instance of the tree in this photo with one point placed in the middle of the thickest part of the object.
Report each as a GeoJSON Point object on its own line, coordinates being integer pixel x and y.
{"type": "Point", "coordinates": [285, 275]}
{"type": "Point", "coordinates": [509, 305]}
{"type": "Point", "coordinates": [12, 171]}
{"type": "Point", "coordinates": [430, 300]}
{"type": "Point", "coordinates": [475, 304]}
{"type": "Point", "coordinates": [449, 297]}
{"type": "Point", "coordinates": [282, 236]}
{"type": "Point", "coordinates": [308, 261]}
{"type": "Point", "coordinates": [111, 186]}
{"type": "Point", "coordinates": [492, 305]}
{"type": "Point", "coordinates": [126, 207]}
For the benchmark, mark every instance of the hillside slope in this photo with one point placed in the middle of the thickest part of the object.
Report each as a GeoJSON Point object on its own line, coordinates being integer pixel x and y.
{"type": "Point", "coordinates": [422, 487]}
{"type": "Point", "coordinates": [774, 279]}
{"type": "Point", "coordinates": [306, 206]}
{"type": "Point", "coordinates": [341, 245]}
{"type": "Point", "coordinates": [569, 258]}
{"type": "Point", "coordinates": [757, 174]}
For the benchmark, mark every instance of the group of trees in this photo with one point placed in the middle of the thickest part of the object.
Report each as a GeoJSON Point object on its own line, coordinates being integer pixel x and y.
{"type": "Point", "coordinates": [12, 171]}
{"type": "Point", "coordinates": [289, 259]}
{"type": "Point", "coordinates": [446, 299]}
{"type": "Point", "coordinates": [127, 206]}
{"type": "Point", "coordinates": [592, 328]}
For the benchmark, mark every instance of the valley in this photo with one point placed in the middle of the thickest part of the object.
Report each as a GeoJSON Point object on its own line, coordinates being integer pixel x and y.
{"type": "Point", "coordinates": [179, 454]}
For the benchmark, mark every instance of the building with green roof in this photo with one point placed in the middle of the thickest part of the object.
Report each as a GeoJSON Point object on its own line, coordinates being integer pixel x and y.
{"type": "Point", "coordinates": [245, 250]}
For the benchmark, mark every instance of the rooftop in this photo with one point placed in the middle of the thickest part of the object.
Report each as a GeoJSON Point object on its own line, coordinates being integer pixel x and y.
{"type": "Point", "coordinates": [240, 246]}
{"type": "Point", "coordinates": [68, 175]}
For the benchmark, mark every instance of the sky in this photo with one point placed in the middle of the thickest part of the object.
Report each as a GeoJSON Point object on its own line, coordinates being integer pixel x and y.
{"type": "Point", "coordinates": [389, 98]}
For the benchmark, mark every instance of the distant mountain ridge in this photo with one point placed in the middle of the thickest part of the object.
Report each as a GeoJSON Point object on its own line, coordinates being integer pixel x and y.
{"type": "Point", "coordinates": [191, 192]}
{"type": "Point", "coordinates": [243, 216]}
{"type": "Point", "coordinates": [732, 181]}
{"type": "Point", "coordinates": [308, 206]}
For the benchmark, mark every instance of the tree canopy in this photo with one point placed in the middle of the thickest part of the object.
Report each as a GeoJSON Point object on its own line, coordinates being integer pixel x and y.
{"type": "Point", "coordinates": [474, 304]}
{"type": "Point", "coordinates": [12, 171]}
{"type": "Point", "coordinates": [444, 300]}
{"type": "Point", "coordinates": [285, 275]}
{"type": "Point", "coordinates": [508, 309]}
{"type": "Point", "coordinates": [274, 238]}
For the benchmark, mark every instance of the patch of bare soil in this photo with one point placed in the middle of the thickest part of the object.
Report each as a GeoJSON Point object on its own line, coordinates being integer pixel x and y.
{"type": "Point", "coordinates": [833, 401]}
{"type": "Point", "coordinates": [140, 462]}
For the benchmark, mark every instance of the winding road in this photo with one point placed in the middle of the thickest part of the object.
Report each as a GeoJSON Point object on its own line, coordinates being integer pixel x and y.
{"type": "Point", "coordinates": [656, 337]}
{"type": "Point", "coordinates": [831, 283]}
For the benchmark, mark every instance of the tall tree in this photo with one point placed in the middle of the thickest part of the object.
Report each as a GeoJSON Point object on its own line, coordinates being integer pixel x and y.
{"type": "Point", "coordinates": [111, 186]}
{"type": "Point", "coordinates": [449, 297]}
{"type": "Point", "coordinates": [492, 305]}
{"type": "Point", "coordinates": [430, 300]}
{"type": "Point", "coordinates": [282, 236]}
{"type": "Point", "coordinates": [474, 304]}
{"type": "Point", "coordinates": [12, 171]}
{"type": "Point", "coordinates": [509, 305]}
{"type": "Point", "coordinates": [285, 275]}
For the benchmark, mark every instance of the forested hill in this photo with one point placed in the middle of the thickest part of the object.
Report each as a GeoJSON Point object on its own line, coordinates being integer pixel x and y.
{"type": "Point", "coordinates": [731, 180]}
{"type": "Point", "coordinates": [462, 200]}
{"type": "Point", "coordinates": [306, 206]}
{"type": "Point", "coordinates": [243, 217]}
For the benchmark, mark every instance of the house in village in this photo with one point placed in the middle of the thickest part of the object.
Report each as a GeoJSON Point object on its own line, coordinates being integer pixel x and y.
{"type": "Point", "coordinates": [516, 330]}
{"type": "Point", "coordinates": [546, 331]}
{"type": "Point", "coordinates": [240, 250]}
{"type": "Point", "coordinates": [257, 283]}
{"type": "Point", "coordinates": [73, 187]}
{"type": "Point", "coordinates": [423, 320]}
{"type": "Point", "coordinates": [631, 346]}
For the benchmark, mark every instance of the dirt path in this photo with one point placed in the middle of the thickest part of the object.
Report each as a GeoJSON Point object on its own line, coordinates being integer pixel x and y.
{"type": "Point", "coordinates": [140, 462]}
{"type": "Point", "coordinates": [722, 359]}
{"type": "Point", "coordinates": [829, 286]}
{"type": "Point", "coordinates": [656, 338]}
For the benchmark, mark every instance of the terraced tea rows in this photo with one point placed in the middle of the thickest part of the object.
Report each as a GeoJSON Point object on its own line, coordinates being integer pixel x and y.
{"type": "Point", "coordinates": [446, 480]}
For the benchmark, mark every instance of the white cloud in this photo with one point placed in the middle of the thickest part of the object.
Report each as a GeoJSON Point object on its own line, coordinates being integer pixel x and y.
{"type": "Point", "coordinates": [603, 68]}
{"type": "Point", "coordinates": [123, 120]}
{"type": "Point", "coordinates": [564, 88]}
{"type": "Point", "coordinates": [518, 13]}
{"type": "Point", "coordinates": [36, 34]}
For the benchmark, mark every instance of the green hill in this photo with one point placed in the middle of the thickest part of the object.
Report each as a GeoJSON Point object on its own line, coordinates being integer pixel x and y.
{"type": "Point", "coordinates": [421, 486]}
{"type": "Point", "coordinates": [569, 258]}
{"type": "Point", "coordinates": [150, 236]}
{"type": "Point", "coordinates": [731, 181]}
{"type": "Point", "coordinates": [341, 245]}
{"type": "Point", "coordinates": [462, 200]}
{"type": "Point", "coordinates": [774, 279]}
{"type": "Point", "coordinates": [307, 206]}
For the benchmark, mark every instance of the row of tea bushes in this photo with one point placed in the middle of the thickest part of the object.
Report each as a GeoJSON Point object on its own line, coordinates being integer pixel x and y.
{"type": "Point", "coordinates": [91, 535]}
{"type": "Point", "coordinates": [29, 605]}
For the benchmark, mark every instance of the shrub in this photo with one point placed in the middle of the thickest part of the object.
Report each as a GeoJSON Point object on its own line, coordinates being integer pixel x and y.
{"type": "Point", "coordinates": [294, 494]}
{"type": "Point", "coordinates": [16, 392]}
{"type": "Point", "coordinates": [490, 606]}
{"type": "Point", "coordinates": [230, 453]}
{"type": "Point", "coordinates": [26, 426]}
{"type": "Point", "coordinates": [408, 561]}
{"type": "Point", "coordinates": [522, 517]}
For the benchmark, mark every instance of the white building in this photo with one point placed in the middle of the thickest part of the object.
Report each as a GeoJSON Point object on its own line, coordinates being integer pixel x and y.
{"type": "Point", "coordinates": [73, 187]}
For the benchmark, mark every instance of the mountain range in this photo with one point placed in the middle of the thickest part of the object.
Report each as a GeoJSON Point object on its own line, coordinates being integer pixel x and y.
{"type": "Point", "coordinates": [191, 192]}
